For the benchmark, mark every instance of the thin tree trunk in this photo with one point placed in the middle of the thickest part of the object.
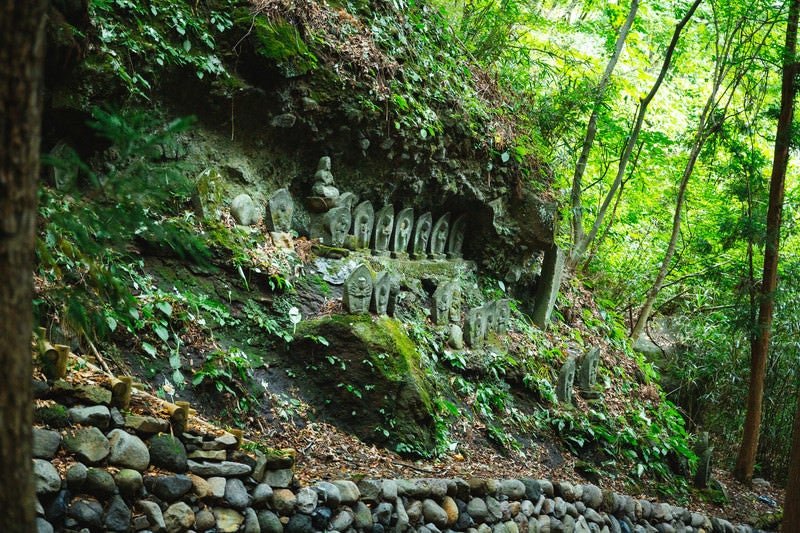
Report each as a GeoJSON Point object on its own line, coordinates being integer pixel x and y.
{"type": "Point", "coordinates": [791, 505]}
{"type": "Point", "coordinates": [759, 344]}
{"type": "Point", "coordinates": [700, 137]}
{"type": "Point", "coordinates": [578, 233]}
{"type": "Point", "coordinates": [579, 247]}
{"type": "Point", "coordinates": [704, 130]}
{"type": "Point", "coordinates": [21, 60]}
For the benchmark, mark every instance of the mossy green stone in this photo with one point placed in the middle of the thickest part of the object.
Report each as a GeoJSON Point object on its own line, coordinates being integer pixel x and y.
{"type": "Point", "coordinates": [369, 377]}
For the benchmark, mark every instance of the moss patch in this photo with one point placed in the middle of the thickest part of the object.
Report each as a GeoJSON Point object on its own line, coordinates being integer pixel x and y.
{"type": "Point", "coordinates": [368, 379]}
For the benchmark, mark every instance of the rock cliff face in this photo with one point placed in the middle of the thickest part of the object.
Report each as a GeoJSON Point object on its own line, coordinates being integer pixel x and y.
{"type": "Point", "coordinates": [277, 110]}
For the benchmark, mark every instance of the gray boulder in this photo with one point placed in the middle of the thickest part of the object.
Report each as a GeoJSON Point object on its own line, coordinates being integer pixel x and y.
{"type": "Point", "coordinates": [128, 450]}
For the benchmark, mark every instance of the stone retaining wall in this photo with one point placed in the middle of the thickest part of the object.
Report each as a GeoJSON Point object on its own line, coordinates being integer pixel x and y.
{"type": "Point", "coordinates": [98, 469]}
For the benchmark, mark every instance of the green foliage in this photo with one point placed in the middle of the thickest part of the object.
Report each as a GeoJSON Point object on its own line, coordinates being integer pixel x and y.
{"type": "Point", "coordinates": [91, 218]}
{"type": "Point", "coordinates": [140, 40]}
{"type": "Point", "coordinates": [226, 371]}
{"type": "Point", "coordinates": [281, 43]}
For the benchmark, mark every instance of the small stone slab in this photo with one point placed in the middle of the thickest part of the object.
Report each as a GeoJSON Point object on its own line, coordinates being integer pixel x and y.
{"type": "Point", "coordinates": [587, 369]}
{"type": "Point", "coordinates": [280, 208]}
{"type": "Point", "coordinates": [221, 469]}
{"type": "Point", "coordinates": [363, 222]}
{"type": "Point", "coordinates": [338, 222]}
{"type": "Point", "coordinates": [422, 235]}
{"type": "Point", "coordinates": [381, 293]}
{"type": "Point", "coordinates": [146, 424]}
{"type": "Point", "coordinates": [442, 299]}
{"type": "Point", "coordinates": [358, 290]}
{"type": "Point", "coordinates": [566, 378]}
{"type": "Point", "coordinates": [439, 235]}
{"type": "Point", "coordinates": [384, 223]}
{"type": "Point", "coordinates": [91, 394]}
{"type": "Point", "coordinates": [403, 226]}
{"type": "Point", "coordinates": [94, 415]}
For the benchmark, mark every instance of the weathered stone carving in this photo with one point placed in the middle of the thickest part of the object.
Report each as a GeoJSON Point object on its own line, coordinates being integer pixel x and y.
{"type": "Point", "coordinates": [338, 225]}
{"type": "Point", "coordinates": [438, 240]}
{"type": "Point", "coordinates": [456, 241]}
{"type": "Point", "coordinates": [384, 222]}
{"type": "Point", "coordinates": [363, 221]}
{"type": "Point", "coordinates": [475, 324]}
{"type": "Point", "coordinates": [442, 298]}
{"type": "Point", "coordinates": [490, 312]}
{"type": "Point", "coordinates": [381, 293]}
{"type": "Point", "coordinates": [704, 454]}
{"type": "Point", "coordinates": [346, 199]}
{"type": "Point", "coordinates": [502, 315]}
{"type": "Point", "coordinates": [323, 180]}
{"type": "Point", "coordinates": [455, 302]}
{"type": "Point", "coordinates": [566, 378]}
{"type": "Point", "coordinates": [358, 290]}
{"type": "Point", "coordinates": [422, 234]}
{"type": "Point", "coordinates": [208, 195]}
{"type": "Point", "coordinates": [587, 370]}
{"type": "Point", "coordinates": [403, 224]}
{"type": "Point", "coordinates": [280, 208]}
{"type": "Point", "coordinates": [243, 210]}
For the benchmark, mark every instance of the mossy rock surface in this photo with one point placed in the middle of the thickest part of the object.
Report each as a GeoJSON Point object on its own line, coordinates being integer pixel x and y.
{"type": "Point", "coordinates": [368, 379]}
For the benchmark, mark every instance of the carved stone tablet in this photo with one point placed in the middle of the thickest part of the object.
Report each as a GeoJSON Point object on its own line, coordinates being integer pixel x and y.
{"type": "Point", "coordinates": [566, 377]}
{"type": "Point", "coordinates": [381, 293]}
{"type": "Point", "coordinates": [503, 315]}
{"type": "Point", "coordinates": [456, 241]}
{"type": "Point", "coordinates": [439, 237]}
{"type": "Point", "coordinates": [440, 312]}
{"type": "Point", "coordinates": [280, 208]}
{"type": "Point", "coordinates": [403, 224]}
{"type": "Point", "coordinates": [475, 324]}
{"type": "Point", "coordinates": [422, 234]}
{"type": "Point", "coordinates": [338, 224]}
{"type": "Point", "coordinates": [587, 369]}
{"type": "Point", "coordinates": [358, 290]}
{"type": "Point", "coordinates": [455, 302]}
{"type": "Point", "coordinates": [490, 312]}
{"type": "Point", "coordinates": [363, 221]}
{"type": "Point", "coordinates": [384, 222]}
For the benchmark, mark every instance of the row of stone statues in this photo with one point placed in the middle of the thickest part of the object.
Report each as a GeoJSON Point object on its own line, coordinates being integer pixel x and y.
{"type": "Point", "coordinates": [388, 233]}
{"type": "Point", "coordinates": [359, 227]}
{"type": "Point", "coordinates": [365, 293]}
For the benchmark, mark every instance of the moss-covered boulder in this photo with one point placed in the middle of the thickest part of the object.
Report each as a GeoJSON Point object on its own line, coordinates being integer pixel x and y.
{"type": "Point", "coordinates": [366, 377]}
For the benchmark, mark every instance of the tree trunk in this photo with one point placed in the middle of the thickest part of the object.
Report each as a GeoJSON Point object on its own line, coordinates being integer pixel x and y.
{"type": "Point", "coordinates": [791, 504]}
{"type": "Point", "coordinates": [759, 343]}
{"type": "Point", "coordinates": [580, 246]}
{"type": "Point", "coordinates": [578, 233]}
{"type": "Point", "coordinates": [21, 60]}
